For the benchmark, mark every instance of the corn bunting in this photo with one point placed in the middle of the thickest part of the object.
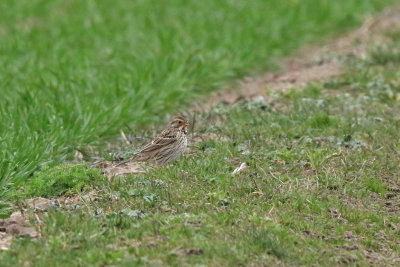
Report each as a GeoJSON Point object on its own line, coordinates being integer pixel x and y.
{"type": "Point", "coordinates": [166, 147]}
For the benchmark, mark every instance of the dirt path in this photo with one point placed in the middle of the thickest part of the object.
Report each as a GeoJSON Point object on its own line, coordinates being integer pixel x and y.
{"type": "Point", "coordinates": [310, 64]}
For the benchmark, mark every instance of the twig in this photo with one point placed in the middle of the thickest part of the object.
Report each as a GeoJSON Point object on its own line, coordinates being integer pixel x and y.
{"type": "Point", "coordinates": [125, 138]}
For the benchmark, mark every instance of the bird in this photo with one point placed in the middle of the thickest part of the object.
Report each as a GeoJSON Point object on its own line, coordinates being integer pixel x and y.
{"type": "Point", "coordinates": [167, 147]}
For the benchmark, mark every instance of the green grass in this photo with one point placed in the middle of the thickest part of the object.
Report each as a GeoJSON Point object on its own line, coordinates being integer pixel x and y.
{"type": "Point", "coordinates": [73, 73]}
{"type": "Point", "coordinates": [58, 181]}
{"type": "Point", "coordinates": [326, 163]}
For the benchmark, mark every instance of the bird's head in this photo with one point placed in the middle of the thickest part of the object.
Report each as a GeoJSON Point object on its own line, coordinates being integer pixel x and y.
{"type": "Point", "coordinates": [179, 122]}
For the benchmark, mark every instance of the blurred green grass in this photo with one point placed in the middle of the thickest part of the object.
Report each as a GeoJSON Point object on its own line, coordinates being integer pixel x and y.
{"type": "Point", "coordinates": [75, 72]}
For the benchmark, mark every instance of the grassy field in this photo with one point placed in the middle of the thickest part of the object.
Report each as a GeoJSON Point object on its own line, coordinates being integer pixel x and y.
{"type": "Point", "coordinates": [74, 73]}
{"type": "Point", "coordinates": [322, 186]}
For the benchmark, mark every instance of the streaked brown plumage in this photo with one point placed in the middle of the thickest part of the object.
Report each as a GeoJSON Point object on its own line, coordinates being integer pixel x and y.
{"type": "Point", "coordinates": [168, 146]}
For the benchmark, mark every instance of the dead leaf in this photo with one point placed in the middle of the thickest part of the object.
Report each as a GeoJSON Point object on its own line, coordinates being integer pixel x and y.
{"type": "Point", "coordinates": [239, 169]}
{"type": "Point", "coordinates": [127, 141]}
{"type": "Point", "coordinates": [78, 156]}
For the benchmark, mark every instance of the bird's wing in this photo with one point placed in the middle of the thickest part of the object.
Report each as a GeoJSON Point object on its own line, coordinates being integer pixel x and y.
{"type": "Point", "coordinates": [167, 137]}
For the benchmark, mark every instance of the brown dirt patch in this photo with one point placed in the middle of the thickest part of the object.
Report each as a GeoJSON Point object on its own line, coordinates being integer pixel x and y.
{"type": "Point", "coordinates": [42, 204]}
{"type": "Point", "coordinates": [311, 64]}
{"type": "Point", "coordinates": [111, 168]}
{"type": "Point", "coordinates": [17, 224]}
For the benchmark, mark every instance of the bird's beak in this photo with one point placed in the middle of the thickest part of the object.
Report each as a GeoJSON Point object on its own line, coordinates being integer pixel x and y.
{"type": "Point", "coordinates": [187, 124]}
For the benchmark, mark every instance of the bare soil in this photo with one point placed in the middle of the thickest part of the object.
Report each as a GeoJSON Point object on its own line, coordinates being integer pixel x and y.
{"type": "Point", "coordinates": [16, 225]}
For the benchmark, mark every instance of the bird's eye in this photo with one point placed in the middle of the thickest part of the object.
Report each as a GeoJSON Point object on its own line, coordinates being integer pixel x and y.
{"type": "Point", "coordinates": [180, 122]}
